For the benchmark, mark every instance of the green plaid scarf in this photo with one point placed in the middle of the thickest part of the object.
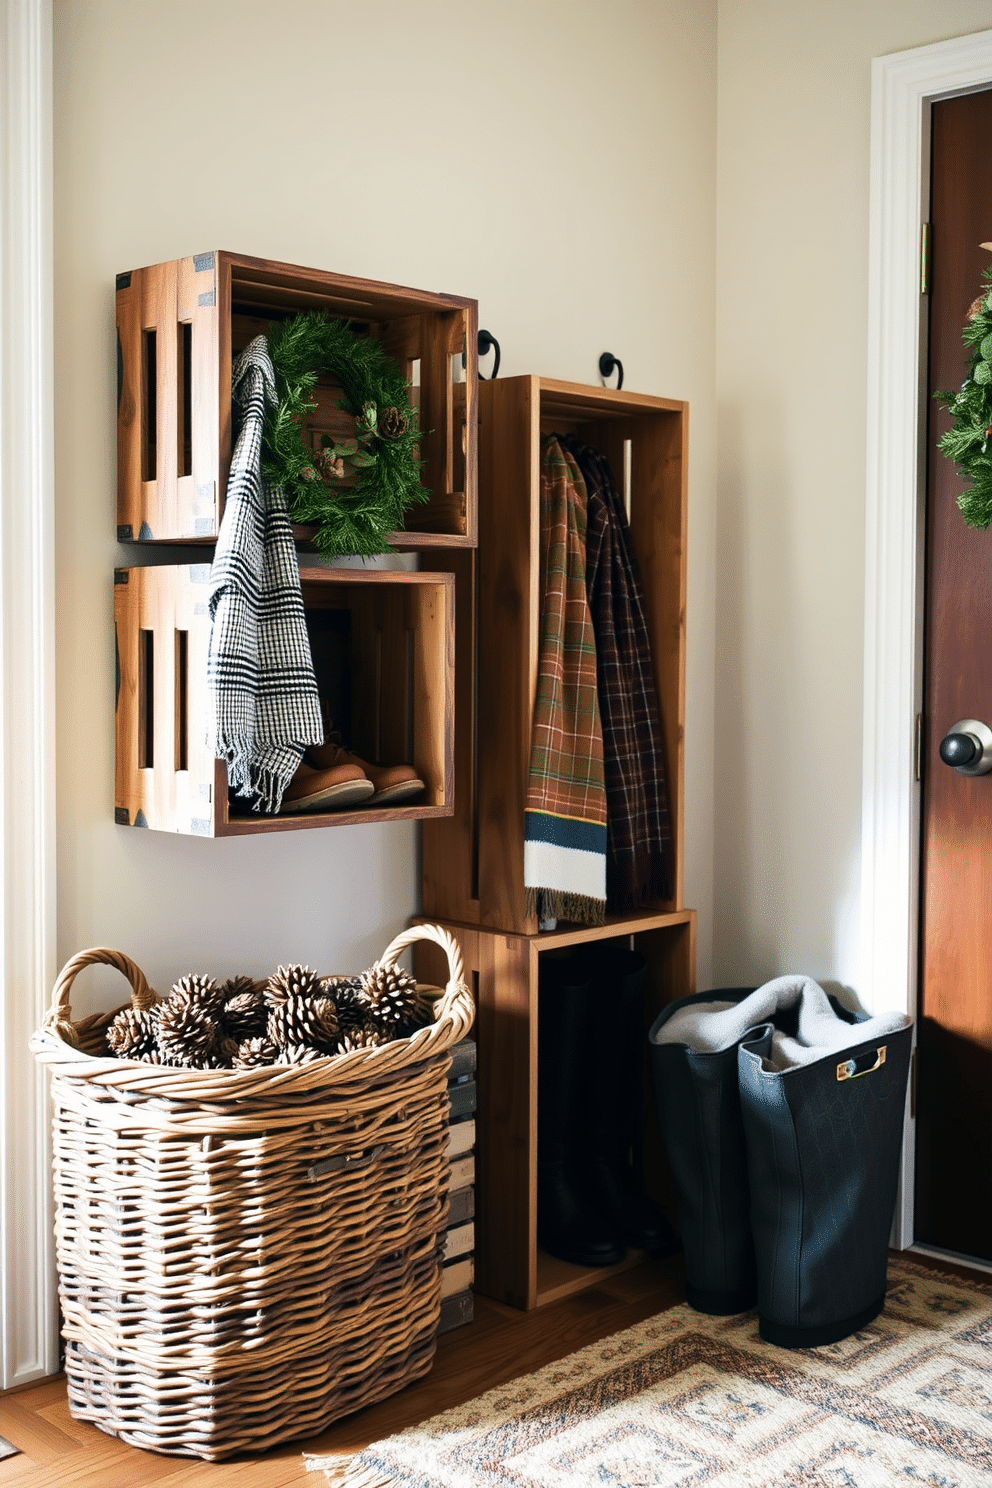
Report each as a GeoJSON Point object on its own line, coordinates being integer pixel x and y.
{"type": "Point", "coordinates": [565, 809]}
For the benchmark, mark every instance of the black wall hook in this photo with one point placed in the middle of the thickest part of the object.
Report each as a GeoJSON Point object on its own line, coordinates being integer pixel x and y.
{"type": "Point", "coordinates": [608, 364]}
{"type": "Point", "coordinates": [486, 343]}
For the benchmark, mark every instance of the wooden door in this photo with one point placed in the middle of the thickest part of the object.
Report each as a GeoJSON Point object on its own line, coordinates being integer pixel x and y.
{"type": "Point", "coordinates": [954, 1060]}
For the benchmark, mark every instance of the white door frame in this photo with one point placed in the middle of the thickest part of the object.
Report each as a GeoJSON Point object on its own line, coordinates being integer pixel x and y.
{"type": "Point", "coordinates": [904, 85]}
{"type": "Point", "coordinates": [28, 1314]}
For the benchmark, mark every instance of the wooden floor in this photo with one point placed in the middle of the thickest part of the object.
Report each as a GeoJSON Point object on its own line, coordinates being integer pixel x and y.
{"type": "Point", "coordinates": [58, 1452]}
{"type": "Point", "coordinates": [502, 1343]}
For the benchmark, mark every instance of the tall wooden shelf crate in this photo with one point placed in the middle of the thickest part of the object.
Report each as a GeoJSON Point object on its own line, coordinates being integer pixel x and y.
{"type": "Point", "coordinates": [473, 864]}
{"type": "Point", "coordinates": [473, 860]}
{"type": "Point", "coordinates": [181, 324]}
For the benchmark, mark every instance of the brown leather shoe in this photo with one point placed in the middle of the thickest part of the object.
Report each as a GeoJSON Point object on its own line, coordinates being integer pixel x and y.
{"type": "Point", "coordinates": [390, 783]}
{"type": "Point", "coordinates": [343, 784]}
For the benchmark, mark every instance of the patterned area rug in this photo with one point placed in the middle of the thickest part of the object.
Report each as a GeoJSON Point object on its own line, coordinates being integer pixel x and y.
{"type": "Point", "coordinates": [684, 1399]}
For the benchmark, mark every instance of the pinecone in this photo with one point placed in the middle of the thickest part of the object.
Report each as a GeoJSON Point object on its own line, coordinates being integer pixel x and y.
{"type": "Point", "coordinates": [255, 1053]}
{"type": "Point", "coordinates": [349, 999]}
{"type": "Point", "coordinates": [291, 981]}
{"type": "Point", "coordinates": [235, 985]}
{"type": "Point", "coordinates": [134, 1033]}
{"type": "Point", "coordinates": [189, 1034]}
{"type": "Point", "coordinates": [307, 1020]}
{"type": "Point", "coordinates": [361, 1038]}
{"type": "Point", "coordinates": [202, 990]}
{"type": "Point", "coordinates": [298, 1054]}
{"type": "Point", "coordinates": [225, 1053]}
{"type": "Point", "coordinates": [392, 994]}
{"type": "Point", "coordinates": [393, 423]}
{"type": "Point", "coordinates": [246, 1013]}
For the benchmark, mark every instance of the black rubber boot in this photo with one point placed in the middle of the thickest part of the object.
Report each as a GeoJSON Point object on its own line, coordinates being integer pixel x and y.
{"type": "Point", "coordinates": [614, 1175]}
{"type": "Point", "coordinates": [823, 1143]}
{"type": "Point", "coordinates": [700, 1117]}
{"type": "Point", "coordinates": [567, 1225]}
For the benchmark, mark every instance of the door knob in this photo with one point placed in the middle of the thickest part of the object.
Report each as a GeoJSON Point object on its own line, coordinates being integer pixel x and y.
{"type": "Point", "coordinates": [967, 747]}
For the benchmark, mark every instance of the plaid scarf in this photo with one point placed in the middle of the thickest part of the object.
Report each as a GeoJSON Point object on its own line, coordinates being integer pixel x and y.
{"type": "Point", "coordinates": [259, 668]}
{"type": "Point", "coordinates": [565, 808]}
{"type": "Point", "coordinates": [639, 860]}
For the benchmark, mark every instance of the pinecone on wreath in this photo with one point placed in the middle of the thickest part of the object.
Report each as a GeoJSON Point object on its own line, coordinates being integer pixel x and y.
{"type": "Point", "coordinates": [134, 1033]}
{"type": "Point", "coordinates": [392, 995]}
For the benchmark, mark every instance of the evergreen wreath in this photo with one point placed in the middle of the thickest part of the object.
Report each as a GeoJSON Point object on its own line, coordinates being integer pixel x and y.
{"type": "Point", "coordinates": [968, 439]}
{"type": "Point", "coordinates": [350, 519]}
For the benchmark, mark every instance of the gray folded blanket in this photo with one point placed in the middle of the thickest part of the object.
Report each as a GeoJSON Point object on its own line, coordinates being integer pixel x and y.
{"type": "Point", "coordinates": [708, 1027]}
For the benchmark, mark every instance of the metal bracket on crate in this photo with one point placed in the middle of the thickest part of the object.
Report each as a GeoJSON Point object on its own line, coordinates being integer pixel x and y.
{"type": "Point", "coordinates": [344, 1161]}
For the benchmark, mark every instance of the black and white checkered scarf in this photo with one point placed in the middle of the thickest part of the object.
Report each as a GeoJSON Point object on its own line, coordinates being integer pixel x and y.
{"type": "Point", "coordinates": [259, 671]}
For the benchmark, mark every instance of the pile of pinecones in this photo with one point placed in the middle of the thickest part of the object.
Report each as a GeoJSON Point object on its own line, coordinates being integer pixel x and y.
{"type": "Point", "coordinates": [293, 1018]}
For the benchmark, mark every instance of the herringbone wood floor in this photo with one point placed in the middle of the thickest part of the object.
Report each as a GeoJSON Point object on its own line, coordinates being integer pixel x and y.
{"type": "Point", "coordinates": [502, 1343]}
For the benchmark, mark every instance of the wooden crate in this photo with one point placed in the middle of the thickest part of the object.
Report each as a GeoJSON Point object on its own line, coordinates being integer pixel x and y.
{"type": "Point", "coordinates": [400, 669]}
{"type": "Point", "coordinates": [457, 1269]}
{"type": "Point", "coordinates": [473, 863]}
{"type": "Point", "coordinates": [504, 971]}
{"type": "Point", "coordinates": [179, 327]}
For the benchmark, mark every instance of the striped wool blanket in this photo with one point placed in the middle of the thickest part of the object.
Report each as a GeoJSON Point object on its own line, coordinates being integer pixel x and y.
{"type": "Point", "coordinates": [565, 808]}
{"type": "Point", "coordinates": [259, 669]}
{"type": "Point", "coordinates": [639, 862]}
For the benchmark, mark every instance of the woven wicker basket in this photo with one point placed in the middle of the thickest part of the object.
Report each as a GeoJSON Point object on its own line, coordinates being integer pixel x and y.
{"type": "Point", "coordinates": [245, 1256]}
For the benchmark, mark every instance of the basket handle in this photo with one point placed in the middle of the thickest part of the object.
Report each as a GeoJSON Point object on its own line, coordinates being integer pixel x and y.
{"type": "Point", "coordinates": [441, 937]}
{"type": "Point", "coordinates": [59, 1016]}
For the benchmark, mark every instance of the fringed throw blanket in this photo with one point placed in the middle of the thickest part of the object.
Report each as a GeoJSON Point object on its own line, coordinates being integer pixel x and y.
{"type": "Point", "coordinates": [565, 816]}
{"type": "Point", "coordinates": [259, 671]}
{"type": "Point", "coordinates": [639, 856]}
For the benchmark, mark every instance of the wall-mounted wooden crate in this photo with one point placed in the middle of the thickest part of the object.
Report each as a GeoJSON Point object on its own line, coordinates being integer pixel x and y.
{"type": "Point", "coordinates": [179, 327]}
{"type": "Point", "coordinates": [473, 863]}
{"type": "Point", "coordinates": [396, 655]}
{"type": "Point", "coordinates": [505, 971]}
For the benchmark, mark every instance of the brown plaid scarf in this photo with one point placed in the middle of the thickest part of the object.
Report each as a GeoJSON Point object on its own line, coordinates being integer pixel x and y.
{"type": "Point", "coordinates": [565, 809]}
{"type": "Point", "coordinates": [639, 858]}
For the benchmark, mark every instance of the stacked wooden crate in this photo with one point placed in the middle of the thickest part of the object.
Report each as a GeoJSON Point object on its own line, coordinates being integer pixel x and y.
{"type": "Point", "coordinates": [473, 858]}
{"type": "Point", "coordinates": [458, 1269]}
{"type": "Point", "coordinates": [180, 327]}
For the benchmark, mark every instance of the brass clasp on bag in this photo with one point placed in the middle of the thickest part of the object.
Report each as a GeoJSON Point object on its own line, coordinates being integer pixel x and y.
{"type": "Point", "coordinates": [847, 1069]}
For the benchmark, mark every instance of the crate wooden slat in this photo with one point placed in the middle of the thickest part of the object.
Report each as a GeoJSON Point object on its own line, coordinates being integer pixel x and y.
{"type": "Point", "coordinates": [402, 668]}
{"type": "Point", "coordinates": [505, 970]}
{"type": "Point", "coordinates": [473, 862]}
{"type": "Point", "coordinates": [180, 325]}
{"type": "Point", "coordinates": [457, 1267]}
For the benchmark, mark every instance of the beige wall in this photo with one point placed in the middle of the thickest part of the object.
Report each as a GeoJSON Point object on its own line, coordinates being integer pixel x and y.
{"type": "Point", "coordinates": [554, 160]}
{"type": "Point", "coordinates": [792, 238]}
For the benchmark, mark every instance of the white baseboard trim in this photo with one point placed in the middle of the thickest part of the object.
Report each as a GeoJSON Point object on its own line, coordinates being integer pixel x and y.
{"type": "Point", "coordinates": [950, 1255]}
